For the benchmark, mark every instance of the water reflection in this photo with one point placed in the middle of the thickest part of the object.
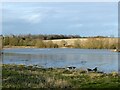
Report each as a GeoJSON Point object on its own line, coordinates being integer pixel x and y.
{"type": "Point", "coordinates": [105, 60]}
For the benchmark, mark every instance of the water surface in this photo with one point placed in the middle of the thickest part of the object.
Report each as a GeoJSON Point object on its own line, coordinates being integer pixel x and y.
{"type": "Point", "coordinates": [105, 60]}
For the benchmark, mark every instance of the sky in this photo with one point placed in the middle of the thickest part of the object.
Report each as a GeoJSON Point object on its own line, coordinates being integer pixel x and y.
{"type": "Point", "coordinates": [76, 18]}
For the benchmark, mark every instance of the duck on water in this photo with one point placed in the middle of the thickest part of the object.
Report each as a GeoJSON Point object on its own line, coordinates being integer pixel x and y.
{"type": "Point", "coordinates": [116, 50]}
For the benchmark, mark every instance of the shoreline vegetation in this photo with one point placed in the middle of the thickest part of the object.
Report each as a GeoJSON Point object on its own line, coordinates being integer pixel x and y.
{"type": "Point", "coordinates": [21, 76]}
{"type": "Point", "coordinates": [59, 41]}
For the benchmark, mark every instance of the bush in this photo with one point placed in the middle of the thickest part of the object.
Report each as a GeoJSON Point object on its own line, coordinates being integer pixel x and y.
{"type": "Point", "coordinates": [40, 44]}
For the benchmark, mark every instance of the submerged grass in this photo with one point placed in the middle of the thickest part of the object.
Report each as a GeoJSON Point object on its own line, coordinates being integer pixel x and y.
{"type": "Point", "coordinates": [20, 76]}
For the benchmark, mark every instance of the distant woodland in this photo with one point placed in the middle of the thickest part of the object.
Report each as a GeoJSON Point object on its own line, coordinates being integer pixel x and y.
{"type": "Point", "coordinates": [47, 41]}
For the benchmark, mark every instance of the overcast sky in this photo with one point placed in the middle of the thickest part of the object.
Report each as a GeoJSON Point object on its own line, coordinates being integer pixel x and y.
{"type": "Point", "coordinates": [84, 19]}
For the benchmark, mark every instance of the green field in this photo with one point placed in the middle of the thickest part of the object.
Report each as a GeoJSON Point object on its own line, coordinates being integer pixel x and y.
{"type": "Point", "coordinates": [20, 76]}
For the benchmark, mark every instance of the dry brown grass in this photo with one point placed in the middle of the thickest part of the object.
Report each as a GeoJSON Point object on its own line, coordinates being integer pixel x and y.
{"type": "Point", "coordinates": [93, 43]}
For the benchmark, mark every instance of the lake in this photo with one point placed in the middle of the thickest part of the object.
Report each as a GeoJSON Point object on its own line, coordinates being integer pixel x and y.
{"type": "Point", "coordinates": [105, 60]}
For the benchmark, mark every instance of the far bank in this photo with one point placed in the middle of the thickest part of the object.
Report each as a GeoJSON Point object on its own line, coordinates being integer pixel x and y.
{"type": "Point", "coordinates": [83, 43]}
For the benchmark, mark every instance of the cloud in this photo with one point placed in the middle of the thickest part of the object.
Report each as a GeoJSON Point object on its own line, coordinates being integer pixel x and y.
{"type": "Point", "coordinates": [32, 15]}
{"type": "Point", "coordinates": [67, 11]}
{"type": "Point", "coordinates": [33, 18]}
{"type": "Point", "coordinates": [37, 15]}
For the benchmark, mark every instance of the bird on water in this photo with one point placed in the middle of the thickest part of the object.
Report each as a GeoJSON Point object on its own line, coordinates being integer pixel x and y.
{"type": "Point", "coordinates": [95, 69]}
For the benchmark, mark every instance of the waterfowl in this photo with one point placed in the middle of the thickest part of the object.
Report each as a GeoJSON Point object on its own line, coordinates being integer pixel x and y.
{"type": "Point", "coordinates": [88, 69]}
{"type": "Point", "coordinates": [71, 68]}
{"type": "Point", "coordinates": [95, 69]}
{"type": "Point", "coordinates": [116, 50]}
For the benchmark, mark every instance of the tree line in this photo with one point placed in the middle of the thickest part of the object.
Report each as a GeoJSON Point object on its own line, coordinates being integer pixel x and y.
{"type": "Point", "coordinates": [34, 40]}
{"type": "Point", "coordinates": [39, 41]}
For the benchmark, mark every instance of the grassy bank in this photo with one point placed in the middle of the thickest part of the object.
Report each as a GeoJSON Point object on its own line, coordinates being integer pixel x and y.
{"type": "Point", "coordinates": [20, 76]}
